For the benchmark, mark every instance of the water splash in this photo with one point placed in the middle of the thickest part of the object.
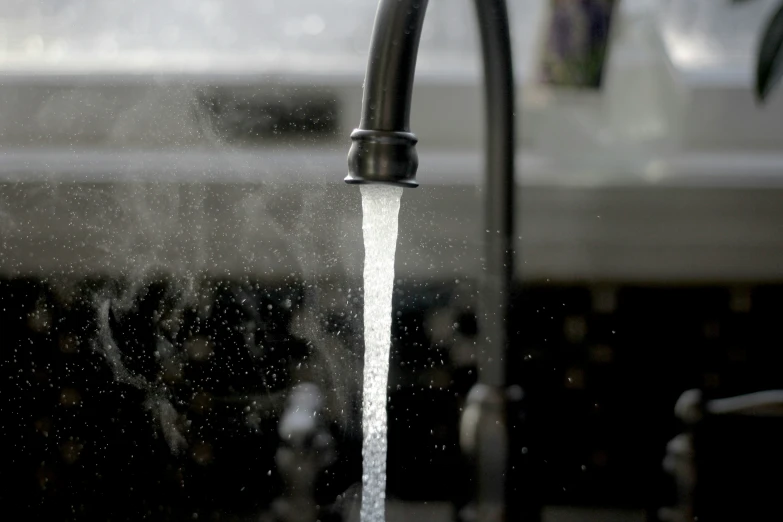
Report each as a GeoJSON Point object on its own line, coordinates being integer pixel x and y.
{"type": "Point", "coordinates": [380, 205]}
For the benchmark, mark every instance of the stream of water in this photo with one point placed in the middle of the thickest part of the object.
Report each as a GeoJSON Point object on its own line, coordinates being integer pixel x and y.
{"type": "Point", "coordinates": [380, 206]}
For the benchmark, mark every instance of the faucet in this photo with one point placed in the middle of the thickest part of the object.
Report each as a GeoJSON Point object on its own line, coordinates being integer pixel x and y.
{"type": "Point", "coordinates": [306, 450]}
{"type": "Point", "coordinates": [383, 150]}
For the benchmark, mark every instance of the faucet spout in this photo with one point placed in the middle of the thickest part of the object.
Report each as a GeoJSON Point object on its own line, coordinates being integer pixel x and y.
{"type": "Point", "coordinates": [384, 148]}
{"type": "Point", "coordinates": [384, 151]}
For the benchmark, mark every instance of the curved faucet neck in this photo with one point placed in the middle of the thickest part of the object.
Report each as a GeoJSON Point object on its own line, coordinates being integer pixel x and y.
{"type": "Point", "coordinates": [388, 83]}
{"type": "Point", "coordinates": [384, 151]}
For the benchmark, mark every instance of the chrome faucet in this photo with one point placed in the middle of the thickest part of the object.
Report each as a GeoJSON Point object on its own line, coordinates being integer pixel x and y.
{"type": "Point", "coordinates": [384, 151]}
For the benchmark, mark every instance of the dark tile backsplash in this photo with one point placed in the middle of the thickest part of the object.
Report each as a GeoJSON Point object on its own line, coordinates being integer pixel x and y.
{"type": "Point", "coordinates": [161, 401]}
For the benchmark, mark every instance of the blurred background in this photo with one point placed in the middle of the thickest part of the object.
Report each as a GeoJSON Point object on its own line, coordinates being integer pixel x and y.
{"type": "Point", "coordinates": [180, 263]}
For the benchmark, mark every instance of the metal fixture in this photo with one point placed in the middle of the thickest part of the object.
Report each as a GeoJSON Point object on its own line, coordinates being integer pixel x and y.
{"type": "Point", "coordinates": [384, 151]}
{"type": "Point", "coordinates": [724, 463]}
{"type": "Point", "coordinates": [306, 450]}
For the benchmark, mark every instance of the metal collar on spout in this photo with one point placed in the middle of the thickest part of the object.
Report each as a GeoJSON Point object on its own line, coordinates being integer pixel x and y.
{"type": "Point", "coordinates": [387, 157]}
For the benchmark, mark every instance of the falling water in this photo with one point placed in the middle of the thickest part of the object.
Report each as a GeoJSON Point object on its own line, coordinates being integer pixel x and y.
{"type": "Point", "coordinates": [380, 205]}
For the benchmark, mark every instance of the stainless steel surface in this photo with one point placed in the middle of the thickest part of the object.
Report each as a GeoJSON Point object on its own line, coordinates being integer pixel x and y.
{"type": "Point", "coordinates": [260, 211]}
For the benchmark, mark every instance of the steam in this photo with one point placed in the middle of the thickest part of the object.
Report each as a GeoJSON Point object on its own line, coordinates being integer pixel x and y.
{"type": "Point", "coordinates": [170, 232]}
{"type": "Point", "coordinates": [157, 397]}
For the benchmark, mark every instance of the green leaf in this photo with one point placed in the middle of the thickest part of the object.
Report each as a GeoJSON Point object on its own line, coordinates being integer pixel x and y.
{"type": "Point", "coordinates": [769, 68]}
